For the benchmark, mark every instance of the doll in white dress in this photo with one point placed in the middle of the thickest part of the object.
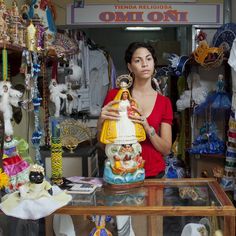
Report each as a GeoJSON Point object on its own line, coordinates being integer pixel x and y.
{"type": "Point", "coordinates": [35, 199]}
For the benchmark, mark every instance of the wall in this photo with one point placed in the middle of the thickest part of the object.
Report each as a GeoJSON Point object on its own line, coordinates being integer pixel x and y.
{"type": "Point", "coordinates": [115, 44]}
{"type": "Point", "coordinates": [233, 9]}
{"type": "Point", "coordinates": [119, 39]}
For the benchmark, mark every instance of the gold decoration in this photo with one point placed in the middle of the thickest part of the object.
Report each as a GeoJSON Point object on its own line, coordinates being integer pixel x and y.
{"type": "Point", "coordinates": [31, 37]}
{"type": "Point", "coordinates": [74, 132]}
{"type": "Point", "coordinates": [124, 81]}
{"type": "Point", "coordinates": [71, 143]}
{"type": "Point", "coordinates": [208, 57]}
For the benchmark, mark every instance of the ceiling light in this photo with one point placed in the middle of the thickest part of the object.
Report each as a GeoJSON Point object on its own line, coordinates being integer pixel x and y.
{"type": "Point", "coordinates": [140, 28]}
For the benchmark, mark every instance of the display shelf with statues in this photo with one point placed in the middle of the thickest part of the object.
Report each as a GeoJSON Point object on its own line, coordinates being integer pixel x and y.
{"type": "Point", "coordinates": [124, 165]}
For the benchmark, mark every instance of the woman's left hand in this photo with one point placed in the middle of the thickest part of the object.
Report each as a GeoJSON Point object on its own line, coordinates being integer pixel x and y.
{"type": "Point", "coordinates": [138, 117]}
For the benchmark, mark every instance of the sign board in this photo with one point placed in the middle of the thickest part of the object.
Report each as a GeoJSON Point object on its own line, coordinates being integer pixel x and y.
{"type": "Point", "coordinates": [145, 14]}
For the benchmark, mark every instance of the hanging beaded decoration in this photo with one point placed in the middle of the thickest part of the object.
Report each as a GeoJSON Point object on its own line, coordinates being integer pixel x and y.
{"type": "Point", "coordinates": [45, 106]}
{"type": "Point", "coordinates": [56, 153]}
{"type": "Point", "coordinates": [4, 64]}
{"type": "Point", "coordinates": [1, 137]}
{"type": "Point", "coordinates": [37, 134]}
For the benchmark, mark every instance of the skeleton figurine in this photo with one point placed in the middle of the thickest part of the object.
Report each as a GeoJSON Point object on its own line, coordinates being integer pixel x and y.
{"type": "Point", "coordinates": [8, 97]}
{"type": "Point", "coordinates": [56, 95]}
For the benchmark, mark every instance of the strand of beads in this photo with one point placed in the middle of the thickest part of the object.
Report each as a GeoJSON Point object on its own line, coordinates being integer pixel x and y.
{"type": "Point", "coordinates": [37, 134]}
{"type": "Point", "coordinates": [45, 106]}
{"type": "Point", "coordinates": [56, 153]}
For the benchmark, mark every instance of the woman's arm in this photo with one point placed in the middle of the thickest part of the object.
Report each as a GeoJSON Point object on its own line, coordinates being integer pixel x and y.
{"type": "Point", "coordinates": [162, 142]}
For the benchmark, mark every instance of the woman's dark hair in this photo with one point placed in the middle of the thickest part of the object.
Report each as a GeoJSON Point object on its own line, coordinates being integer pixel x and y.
{"type": "Point", "coordinates": [134, 46]}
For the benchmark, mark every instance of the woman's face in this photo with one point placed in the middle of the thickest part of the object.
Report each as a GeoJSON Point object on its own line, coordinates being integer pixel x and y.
{"type": "Point", "coordinates": [142, 64]}
{"type": "Point", "coordinates": [125, 95]}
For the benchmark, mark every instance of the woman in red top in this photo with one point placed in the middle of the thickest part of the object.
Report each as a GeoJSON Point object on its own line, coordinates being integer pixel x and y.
{"type": "Point", "coordinates": [154, 108]}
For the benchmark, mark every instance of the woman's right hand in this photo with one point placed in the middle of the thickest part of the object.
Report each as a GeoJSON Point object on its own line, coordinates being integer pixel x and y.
{"type": "Point", "coordinates": [109, 112]}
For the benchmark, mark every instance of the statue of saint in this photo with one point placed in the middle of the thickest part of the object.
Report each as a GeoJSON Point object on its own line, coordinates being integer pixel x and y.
{"type": "Point", "coordinates": [123, 131]}
{"type": "Point", "coordinates": [124, 164]}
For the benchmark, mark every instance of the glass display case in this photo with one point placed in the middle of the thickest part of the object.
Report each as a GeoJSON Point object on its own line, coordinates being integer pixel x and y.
{"type": "Point", "coordinates": [163, 201]}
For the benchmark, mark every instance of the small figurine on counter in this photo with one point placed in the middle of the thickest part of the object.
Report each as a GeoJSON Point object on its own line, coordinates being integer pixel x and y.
{"type": "Point", "coordinates": [100, 229]}
{"type": "Point", "coordinates": [38, 186]}
{"type": "Point", "coordinates": [35, 199]}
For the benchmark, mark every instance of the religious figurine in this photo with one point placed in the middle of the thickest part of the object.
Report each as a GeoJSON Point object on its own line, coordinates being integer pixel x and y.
{"type": "Point", "coordinates": [100, 229]}
{"type": "Point", "coordinates": [37, 186]}
{"type": "Point", "coordinates": [8, 97]}
{"type": "Point", "coordinates": [35, 199]}
{"type": "Point", "coordinates": [71, 101]}
{"type": "Point", "coordinates": [46, 12]}
{"type": "Point", "coordinates": [14, 165]}
{"type": "Point", "coordinates": [4, 37]}
{"type": "Point", "coordinates": [124, 164]}
{"type": "Point", "coordinates": [113, 131]}
{"type": "Point", "coordinates": [15, 26]}
{"type": "Point", "coordinates": [56, 95]}
{"type": "Point", "coordinates": [31, 37]}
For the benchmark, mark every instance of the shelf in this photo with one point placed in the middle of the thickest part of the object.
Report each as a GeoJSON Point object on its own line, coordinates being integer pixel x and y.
{"type": "Point", "coordinates": [11, 48]}
{"type": "Point", "coordinates": [217, 156]}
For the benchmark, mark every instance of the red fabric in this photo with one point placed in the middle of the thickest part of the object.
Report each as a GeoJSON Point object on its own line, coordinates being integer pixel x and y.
{"type": "Point", "coordinates": [231, 134]}
{"type": "Point", "coordinates": [11, 160]}
{"type": "Point", "coordinates": [161, 113]}
{"type": "Point", "coordinates": [54, 70]}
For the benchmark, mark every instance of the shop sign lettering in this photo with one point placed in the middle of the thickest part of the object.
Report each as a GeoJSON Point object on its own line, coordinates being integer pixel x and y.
{"type": "Point", "coordinates": [154, 16]}
{"type": "Point", "coordinates": [125, 14]}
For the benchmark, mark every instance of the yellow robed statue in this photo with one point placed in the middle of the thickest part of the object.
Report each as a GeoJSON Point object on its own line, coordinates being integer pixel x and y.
{"type": "Point", "coordinates": [123, 131]}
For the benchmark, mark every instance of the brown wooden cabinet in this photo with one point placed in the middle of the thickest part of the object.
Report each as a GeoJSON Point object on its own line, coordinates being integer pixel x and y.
{"type": "Point", "coordinates": [158, 199]}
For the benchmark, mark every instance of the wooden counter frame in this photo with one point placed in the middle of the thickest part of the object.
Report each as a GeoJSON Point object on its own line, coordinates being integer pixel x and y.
{"type": "Point", "coordinates": [156, 213]}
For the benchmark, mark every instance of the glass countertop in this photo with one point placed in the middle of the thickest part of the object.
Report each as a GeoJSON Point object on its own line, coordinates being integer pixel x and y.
{"type": "Point", "coordinates": [154, 193]}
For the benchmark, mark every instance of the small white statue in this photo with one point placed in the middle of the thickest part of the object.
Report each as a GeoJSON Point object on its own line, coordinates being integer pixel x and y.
{"type": "Point", "coordinates": [56, 93]}
{"type": "Point", "coordinates": [72, 99]}
{"type": "Point", "coordinates": [76, 71]}
{"type": "Point", "coordinates": [8, 97]}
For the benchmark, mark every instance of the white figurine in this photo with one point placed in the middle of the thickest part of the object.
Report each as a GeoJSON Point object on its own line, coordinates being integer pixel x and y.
{"type": "Point", "coordinates": [56, 95]}
{"type": "Point", "coordinates": [76, 70]}
{"type": "Point", "coordinates": [8, 97]}
{"type": "Point", "coordinates": [72, 97]}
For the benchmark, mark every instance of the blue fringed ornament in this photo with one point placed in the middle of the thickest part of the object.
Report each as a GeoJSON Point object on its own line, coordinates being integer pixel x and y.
{"type": "Point", "coordinates": [173, 167]}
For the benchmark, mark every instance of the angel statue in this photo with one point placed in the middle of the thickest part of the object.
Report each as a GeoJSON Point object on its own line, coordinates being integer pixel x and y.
{"type": "Point", "coordinates": [8, 97]}
{"type": "Point", "coordinates": [124, 164]}
{"type": "Point", "coordinates": [56, 93]}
